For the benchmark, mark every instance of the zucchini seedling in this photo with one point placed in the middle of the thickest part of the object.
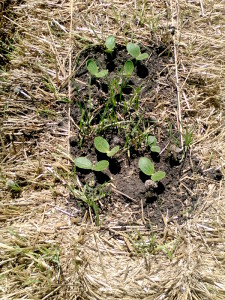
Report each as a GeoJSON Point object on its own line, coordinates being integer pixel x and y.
{"type": "Point", "coordinates": [102, 146]}
{"type": "Point", "coordinates": [135, 51]}
{"type": "Point", "coordinates": [85, 163]}
{"type": "Point", "coordinates": [128, 68]}
{"type": "Point", "coordinates": [147, 167]}
{"type": "Point", "coordinates": [110, 44]}
{"type": "Point", "coordinates": [152, 142]}
{"type": "Point", "coordinates": [93, 69]}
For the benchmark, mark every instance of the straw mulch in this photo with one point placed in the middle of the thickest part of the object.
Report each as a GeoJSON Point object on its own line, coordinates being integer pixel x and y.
{"type": "Point", "coordinates": [48, 252]}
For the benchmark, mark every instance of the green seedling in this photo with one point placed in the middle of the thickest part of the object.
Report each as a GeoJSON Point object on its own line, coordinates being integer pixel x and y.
{"type": "Point", "coordinates": [93, 69]}
{"type": "Point", "coordinates": [135, 51]}
{"type": "Point", "coordinates": [188, 138]}
{"type": "Point", "coordinates": [103, 146]}
{"type": "Point", "coordinates": [13, 186]}
{"type": "Point", "coordinates": [147, 167]}
{"type": "Point", "coordinates": [91, 196]}
{"type": "Point", "coordinates": [110, 44]}
{"type": "Point", "coordinates": [152, 142]}
{"type": "Point", "coordinates": [85, 163]}
{"type": "Point", "coordinates": [128, 68]}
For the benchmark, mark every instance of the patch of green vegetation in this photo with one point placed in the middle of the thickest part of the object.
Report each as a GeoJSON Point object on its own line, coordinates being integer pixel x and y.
{"type": "Point", "coordinates": [86, 164]}
{"type": "Point", "coordinates": [94, 70]}
{"type": "Point", "coordinates": [135, 51]}
{"type": "Point", "coordinates": [152, 142]}
{"type": "Point", "coordinates": [147, 167]}
{"type": "Point", "coordinates": [102, 146]}
{"type": "Point", "coordinates": [91, 196]}
{"type": "Point", "coordinates": [110, 44]}
{"type": "Point", "coordinates": [128, 68]}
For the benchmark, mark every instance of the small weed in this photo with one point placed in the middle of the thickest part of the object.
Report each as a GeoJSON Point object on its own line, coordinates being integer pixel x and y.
{"type": "Point", "coordinates": [168, 248]}
{"type": "Point", "coordinates": [13, 186]}
{"type": "Point", "coordinates": [188, 138]}
{"type": "Point", "coordinates": [141, 246]}
{"type": "Point", "coordinates": [91, 196]}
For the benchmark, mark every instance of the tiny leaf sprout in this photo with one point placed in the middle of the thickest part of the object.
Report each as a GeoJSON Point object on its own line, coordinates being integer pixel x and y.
{"type": "Point", "coordinates": [135, 51]}
{"type": "Point", "coordinates": [128, 68]}
{"type": "Point", "coordinates": [110, 44]}
{"type": "Point", "coordinates": [147, 167]}
{"type": "Point", "coordinates": [93, 69]}
{"type": "Point", "coordinates": [152, 142]}
{"type": "Point", "coordinates": [85, 163]}
{"type": "Point", "coordinates": [157, 176]}
{"type": "Point", "coordinates": [188, 138]}
{"type": "Point", "coordinates": [102, 146]}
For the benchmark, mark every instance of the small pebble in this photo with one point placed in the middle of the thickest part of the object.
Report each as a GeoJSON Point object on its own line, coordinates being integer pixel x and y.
{"type": "Point", "coordinates": [116, 140]}
{"type": "Point", "coordinates": [150, 184]}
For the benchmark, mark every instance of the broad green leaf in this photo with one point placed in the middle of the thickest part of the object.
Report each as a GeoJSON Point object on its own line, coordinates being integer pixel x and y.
{"type": "Point", "coordinates": [159, 175]}
{"type": "Point", "coordinates": [113, 151]}
{"type": "Point", "coordinates": [110, 42]}
{"type": "Point", "coordinates": [101, 144]}
{"type": "Point", "coordinates": [92, 67]}
{"type": "Point", "coordinates": [101, 165]}
{"type": "Point", "coordinates": [152, 140]}
{"type": "Point", "coordinates": [155, 148]}
{"type": "Point", "coordinates": [133, 49]}
{"type": "Point", "coordinates": [128, 67]}
{"type": "Point", "coordinates": [146, 166]}
{"type": "Point", "coordinates": [101, 74]}
{"type": "Point", "coordinates": [142, 56]}
{"type": "Point", "coordinates": [83, 163]}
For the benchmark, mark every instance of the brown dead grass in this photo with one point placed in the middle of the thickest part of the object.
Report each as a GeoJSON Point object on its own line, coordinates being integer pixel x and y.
{"type": "Point", "coordinates": [48, 253]}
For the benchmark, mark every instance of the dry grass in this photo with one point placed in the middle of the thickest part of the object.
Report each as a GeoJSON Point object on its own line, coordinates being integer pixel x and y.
{"type": "Point", "coordinates": [50, 253]}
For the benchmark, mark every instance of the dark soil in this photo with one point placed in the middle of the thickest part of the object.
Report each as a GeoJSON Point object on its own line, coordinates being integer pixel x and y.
{"type": "Point", "coordinates": [175, 195]}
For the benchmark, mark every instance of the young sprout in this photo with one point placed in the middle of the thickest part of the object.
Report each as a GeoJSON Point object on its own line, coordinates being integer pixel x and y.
{"type": "Point", "coordinates": [110, 44]}
{"type": "Point", "coordinates": [103, 146]}
{"type": "Point", "coordinates": [135, 51]}
{"type": "Point", "coordinates": [188, 138]}
{"type": "Point", "coordinates": [128, 68]}
{"type": "Point", "coordinates": [85, 163]}
{"type": "Point", "coordinates": [147, 167]}
{"type": "Point", "coordinates": [152, 142]}
{"type": "Point", "coordinates": [93, 69]}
